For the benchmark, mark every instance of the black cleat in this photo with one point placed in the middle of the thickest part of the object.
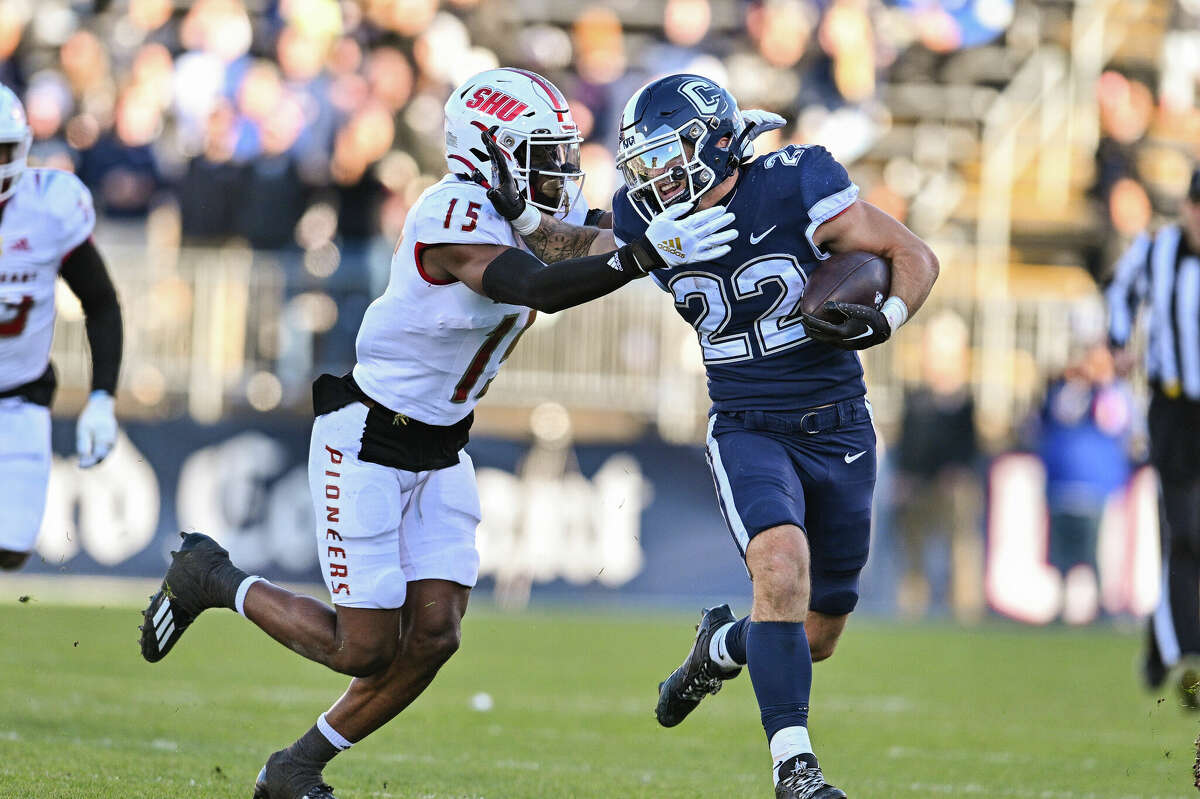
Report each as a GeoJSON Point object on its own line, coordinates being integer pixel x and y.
{"type": "Point", "coordinates": [200, 577]}
{"type": "Point", "coordinates": [1153, 671]}
{"type": "Point", "coordinates": [679, 694]}
{"type": "Point", "coordinates": [283, 777]}
{"type": "Point", "coordinates": [800, 778]}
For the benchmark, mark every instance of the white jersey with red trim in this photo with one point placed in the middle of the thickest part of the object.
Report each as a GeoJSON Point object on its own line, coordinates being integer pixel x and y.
{"type": "Point", "coordinates": [48, 216]}
{"type": "Point", "coordinates": [428, 348]}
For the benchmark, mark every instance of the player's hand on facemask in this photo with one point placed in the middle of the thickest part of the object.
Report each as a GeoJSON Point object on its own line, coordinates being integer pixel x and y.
{"type": "Point", "coordinates": [861, 326]}
{"type": "Point", "coordinates": [673, 239]}
{"type": "Point", "coordinates": [96, 430]}
{"type": "Point", "coordinates": [762, 121]}
{"type": "Point", "coordinates": [504, 192]}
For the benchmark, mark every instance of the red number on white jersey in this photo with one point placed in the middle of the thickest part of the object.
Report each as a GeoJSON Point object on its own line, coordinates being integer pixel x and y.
{"type": "Point", "coordinates": [13, 316]}
{"type": "Point", "coordinates": [472, 216]}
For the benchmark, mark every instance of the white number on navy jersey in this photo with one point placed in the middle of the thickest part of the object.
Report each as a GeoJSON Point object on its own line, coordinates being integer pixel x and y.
{"type": "Point", "coordinates": [777, 328]}
{"type": "Point", "coordinates": [790, 155]}
{"type": "Point", "coordinates": [718, 346]}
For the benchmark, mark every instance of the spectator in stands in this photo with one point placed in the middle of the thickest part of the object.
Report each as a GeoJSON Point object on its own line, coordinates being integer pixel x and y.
{"type": "Point", "coordinates": [936, 486]}
{"type": "Point", "coordinates": [272, 195]}
{"type": "Point", "coordinates": [121, 167]}
{"type": "Point", "coordinates": [209, 188]}
{"type": "Point", "coordinates": [48, 104]}
{"type": "Point", "coordinates": [12, 73]}
{"type": "Point", "coordinates": [302, 57]}
{"type": "Point", "coordinates": [1082, 439]}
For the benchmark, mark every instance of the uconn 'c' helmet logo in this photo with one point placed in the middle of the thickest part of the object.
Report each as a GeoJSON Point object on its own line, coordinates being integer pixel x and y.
{"type": "Point", "coordinates": [703, 94]}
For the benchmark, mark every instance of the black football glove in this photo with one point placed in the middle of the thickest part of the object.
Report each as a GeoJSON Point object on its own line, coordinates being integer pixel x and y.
{"type": "Point", "coordinates": [504, 193]}
{"type": "Point", "coordinates": [862, 326]}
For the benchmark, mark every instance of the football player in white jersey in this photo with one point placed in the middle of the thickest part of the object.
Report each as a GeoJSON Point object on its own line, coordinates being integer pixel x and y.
{"type": "Point", "coordinates": [393, 490]}
{"type": "Point", "coordinates": [46, 221]}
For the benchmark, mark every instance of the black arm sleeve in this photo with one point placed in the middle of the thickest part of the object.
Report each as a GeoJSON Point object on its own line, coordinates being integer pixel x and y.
{"type": "Point", "coordinates": [85, 274]}
{"type": "Point", "coordinates": [518, 278]}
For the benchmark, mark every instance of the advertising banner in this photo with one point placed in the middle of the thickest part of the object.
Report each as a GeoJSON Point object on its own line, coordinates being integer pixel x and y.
{"type": "Point", "coordinates": [635, 522]}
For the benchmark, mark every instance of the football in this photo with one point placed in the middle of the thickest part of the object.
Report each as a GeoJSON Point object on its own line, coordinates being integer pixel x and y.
{"type": "Point", "coordinates": [858, 277]}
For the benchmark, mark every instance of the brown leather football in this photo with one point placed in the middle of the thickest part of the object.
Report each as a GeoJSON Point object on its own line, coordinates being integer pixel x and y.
{"type": "Point", "coordinates": [858, 277]}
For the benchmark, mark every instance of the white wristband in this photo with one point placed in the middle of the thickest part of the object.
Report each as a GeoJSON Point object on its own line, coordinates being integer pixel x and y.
{"type": "Point", "coordinates": [529, 220]}
{"type": "Point", "coordinates": [895, 311]}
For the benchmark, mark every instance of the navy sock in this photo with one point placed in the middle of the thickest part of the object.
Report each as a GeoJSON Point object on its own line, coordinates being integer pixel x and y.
{"type": "Point", "coordinates": [781, 670]}
{"type": "Point", "coordinates": [735, 639]}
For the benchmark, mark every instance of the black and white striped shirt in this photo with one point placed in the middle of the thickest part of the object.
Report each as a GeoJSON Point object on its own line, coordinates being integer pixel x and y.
{"type": "Point", "coordinates": [1164, 272]}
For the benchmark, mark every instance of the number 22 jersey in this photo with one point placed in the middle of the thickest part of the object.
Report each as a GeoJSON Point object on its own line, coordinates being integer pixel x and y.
{"type": "Point", "coordinates": [429, 348]}
{"type": "Point", "coordinates": [745, 306]}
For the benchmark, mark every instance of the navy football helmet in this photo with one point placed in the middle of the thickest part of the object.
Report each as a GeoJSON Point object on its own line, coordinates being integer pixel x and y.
{"type": "Point", "coordinates": [670, 147]}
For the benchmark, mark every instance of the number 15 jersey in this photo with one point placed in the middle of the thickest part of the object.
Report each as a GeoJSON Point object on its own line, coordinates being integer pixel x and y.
{"type": "Point", "coordinates": [429, 348]}
{"type": "Point", "coordinates": [745, 306]}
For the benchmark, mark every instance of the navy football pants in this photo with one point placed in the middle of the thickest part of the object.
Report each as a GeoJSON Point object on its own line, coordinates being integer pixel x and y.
{"type": "Point", "coordinates": [769, 470]}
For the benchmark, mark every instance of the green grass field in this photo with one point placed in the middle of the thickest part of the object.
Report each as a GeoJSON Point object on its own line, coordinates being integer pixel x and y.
{"type": "Point", "coordinates": [901, 711]}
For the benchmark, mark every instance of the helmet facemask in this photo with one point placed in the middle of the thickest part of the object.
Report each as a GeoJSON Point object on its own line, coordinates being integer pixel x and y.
{"type": "Point", "coordinates": [13, 155]}
{"type": "Point", "coordinates": [548, 165]}
{"type": "Point", "coordinates": [666, 169]}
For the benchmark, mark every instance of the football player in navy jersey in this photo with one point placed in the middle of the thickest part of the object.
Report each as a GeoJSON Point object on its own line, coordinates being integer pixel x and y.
{"type": "Point", "coordinates": [790, 438]}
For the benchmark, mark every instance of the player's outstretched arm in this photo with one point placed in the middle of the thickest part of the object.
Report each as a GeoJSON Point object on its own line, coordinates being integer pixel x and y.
{"type": "Point", "coordinates": [550, 239]}
{"type": "Point", "coordinates": [864, 227]}
{"type": "Point", "coordinates": [85, 274]}
{"type": "Point", "coordinates": [555, 240]}
{"type": "Point", "coordinates": [507, 274]}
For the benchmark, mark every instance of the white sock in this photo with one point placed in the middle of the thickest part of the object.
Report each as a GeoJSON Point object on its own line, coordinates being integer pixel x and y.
{"type": "Point", "coordinates": [787, 743]}
{"type": "Point", "coordinates": [333, 736]}
{"type": "Point", "coordinates": [239, 602]}
{"type": "Point", "coordinates": [719, 653]}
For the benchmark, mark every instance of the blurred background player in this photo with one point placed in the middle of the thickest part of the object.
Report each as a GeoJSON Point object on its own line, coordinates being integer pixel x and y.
{"type": "Point", "coordinates": [46, 221]}
{"type": "Point", "coordinates": [790, 439]}
{"type": "Point", "coordinates": [935, 490]}
{"type": "Point", "coordinates": [1162, 270]}
{"type": "Point", "coordinates": [393, 490]}
{"type": "Point", "coordinates": [1082, 437]}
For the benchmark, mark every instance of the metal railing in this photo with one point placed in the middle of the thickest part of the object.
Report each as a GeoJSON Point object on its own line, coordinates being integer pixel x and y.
{"type": "Point", "coordinates": [197, 326]}
{"type": "Point", "coordinates": [1043, 120]}
{"type": "Point", "coordinates": [214, 331]}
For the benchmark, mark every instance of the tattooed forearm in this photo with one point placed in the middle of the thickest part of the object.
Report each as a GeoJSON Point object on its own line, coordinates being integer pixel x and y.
{"type": "Point", "coordinates": [556, 240]}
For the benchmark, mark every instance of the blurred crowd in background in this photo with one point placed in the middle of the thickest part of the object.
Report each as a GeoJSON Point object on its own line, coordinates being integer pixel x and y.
{"type": "Point", "coordinates": [246, 114]}
{"type": "Point", "coordinates": [309, 127]}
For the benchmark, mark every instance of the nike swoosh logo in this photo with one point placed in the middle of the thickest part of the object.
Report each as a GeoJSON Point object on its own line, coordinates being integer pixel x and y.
{"type": "Point", "coordinates": [756, 239]}
{"type": "Point", "coordinates": [870, 330]}
{"type": "Point", "coordinates": [852, 458]}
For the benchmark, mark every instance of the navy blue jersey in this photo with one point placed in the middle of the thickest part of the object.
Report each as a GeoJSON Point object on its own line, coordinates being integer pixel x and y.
{"type": "Point", "coordinates": [746, 306]}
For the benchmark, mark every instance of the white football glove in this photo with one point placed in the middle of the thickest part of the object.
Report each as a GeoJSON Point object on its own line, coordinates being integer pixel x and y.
{"type": "Point", "coordinates": [763, 121]}
{"type": "Point", "coordinates": [96, 430]}
{"type": "Point", "coordinates": [679, 239]}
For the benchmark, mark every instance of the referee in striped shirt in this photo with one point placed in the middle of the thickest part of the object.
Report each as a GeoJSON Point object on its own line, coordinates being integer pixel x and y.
{"type": "Point", "coordinates": [1163, 272]}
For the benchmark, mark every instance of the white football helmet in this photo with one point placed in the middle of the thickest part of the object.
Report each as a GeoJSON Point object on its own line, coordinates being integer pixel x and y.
{"type": "Point", "coordinates": [15, 138]}
{"type": "Point", "coordinates": [530, 120]}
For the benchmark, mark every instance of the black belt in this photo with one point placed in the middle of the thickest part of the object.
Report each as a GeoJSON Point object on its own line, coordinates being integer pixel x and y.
{"type": "Point", "coordinates": [39, 391]}
{"type": "Point", "coordinates": [809, 421]}
{"type": "Point", "coordinates": [390, 438]}
{"type": "Point", "coordinates": [1172, 393]}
